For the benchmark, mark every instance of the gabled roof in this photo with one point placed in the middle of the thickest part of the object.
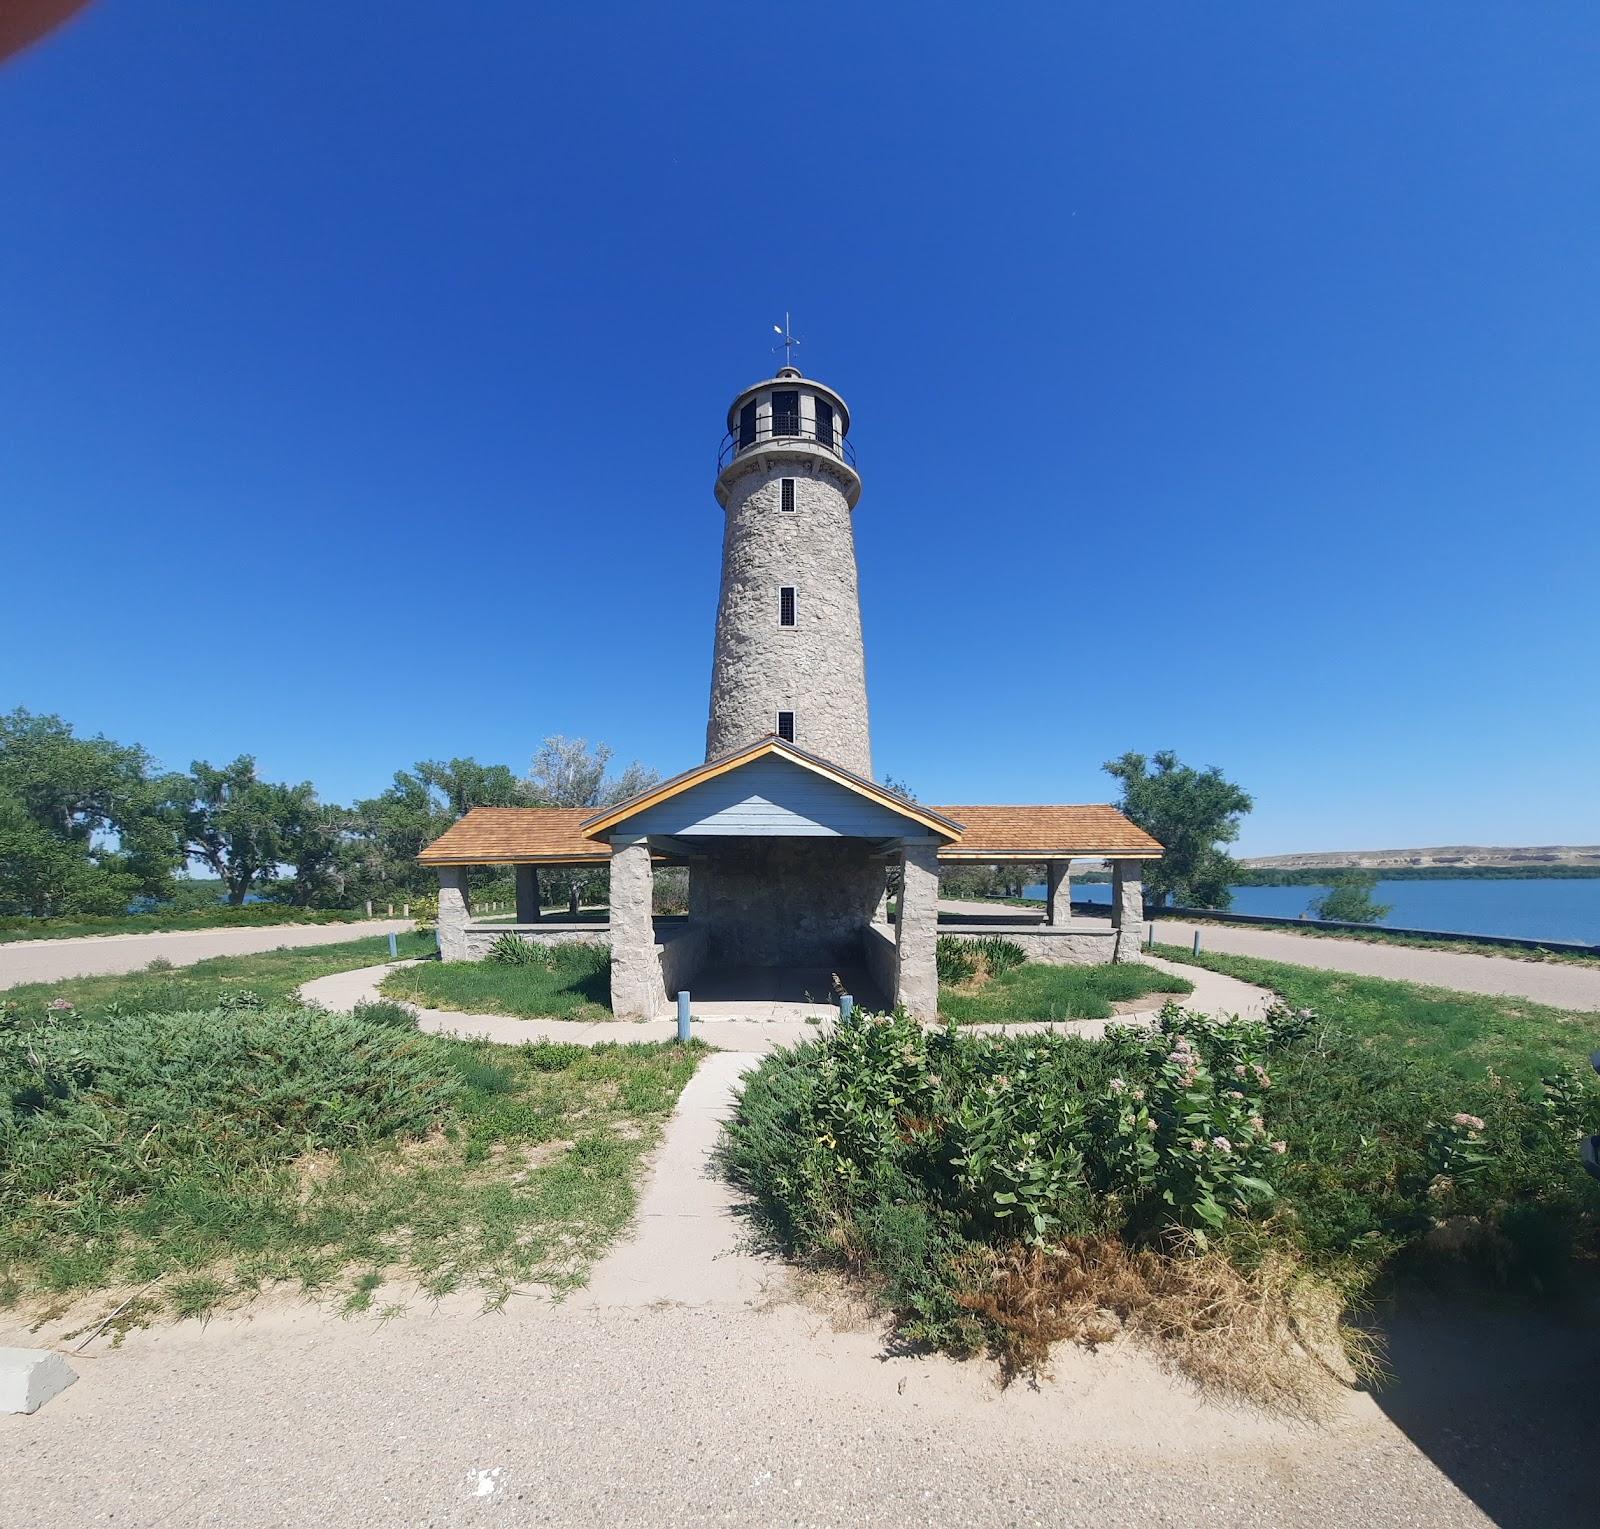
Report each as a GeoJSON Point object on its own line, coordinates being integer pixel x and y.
{"type": "Point", "coordinates": [563, 835]}
{"type": "Point", "coordinates": [1046, 833]}
{"type": "Point", "coordinates": [516, 836]}
{"type": "Point", "coordinates": [931, 819]}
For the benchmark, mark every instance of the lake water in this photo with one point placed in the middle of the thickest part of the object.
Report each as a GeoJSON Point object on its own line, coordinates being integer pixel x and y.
{"type": "Point", "coordinates": [1547, 909]}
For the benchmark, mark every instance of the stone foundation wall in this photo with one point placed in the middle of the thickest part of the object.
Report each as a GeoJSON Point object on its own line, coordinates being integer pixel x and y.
{"type": "Point", "coordinates": [784, 902]}
{"type": "Point", "coordinates": [682, 952]}
{"type": "Point", "coordinates": [479, 937]}
{"type": "Point", "coordinates": [1049, 947]}
{"type": "Point", "coordinates": [878, 956]}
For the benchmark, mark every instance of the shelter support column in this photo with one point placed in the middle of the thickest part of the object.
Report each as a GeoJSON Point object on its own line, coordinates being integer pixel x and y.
{"type": "Point", "coordinates": [916, 963]}
{"type": "Point", "coordinates": [1058, 892]}
{"type": "Point", "coordinates": [527, 894]}
{"type": "Point", "coordinates": [1127, 909]}
{"type": "Point", "coordinates": [636, 990]}
{"type": "Point", "coordinates": [455, 910]}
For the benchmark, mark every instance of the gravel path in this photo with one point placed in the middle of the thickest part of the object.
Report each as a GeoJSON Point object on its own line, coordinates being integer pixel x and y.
{"type": "Point", "coordinates": [96, 955]}
{"type": "Point", "coordinates": [1563, 984]}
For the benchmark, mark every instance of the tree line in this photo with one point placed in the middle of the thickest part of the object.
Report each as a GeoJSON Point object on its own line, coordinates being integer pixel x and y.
{"type": "Point", "coordinates": [91, 826]}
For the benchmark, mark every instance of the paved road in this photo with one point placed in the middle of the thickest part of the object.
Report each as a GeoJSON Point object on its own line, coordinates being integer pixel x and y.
{"type": "Point", "coordinates": [1564, 984]}
{"type": "Point", "coordinates": [95, 955]}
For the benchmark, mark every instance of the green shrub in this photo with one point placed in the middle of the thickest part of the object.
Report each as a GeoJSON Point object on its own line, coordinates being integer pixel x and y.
{"type": "Point", "coordinates": [385, 1012]}
{"type": "Point", "coordinates": [111, 1106]}
{"type": "Point", "coordinates": [999, 954]}
{"type": "Point", "coordinates": [513, 950]}
{"type": "Point", "coordinates": [923, 1156]}
{"type": "Point", "coordinates": [957, 961]}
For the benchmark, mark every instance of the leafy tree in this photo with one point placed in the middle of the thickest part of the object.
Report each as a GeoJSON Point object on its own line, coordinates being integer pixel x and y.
{"type": "Point", "coordinates": [86, 827]}
{"type": "Point", "coordinates": [44, 874]}
{"type": "Point", "coordinates": [464, 784]}
{"type": "Point", "coordinates": [1193, 813]}
{"type": "Point", "coordinates": [311, 843]}
{"type": "Point", "coordinates": [1349, 899]}
{"type": "Point", "coordinates": [388, 832]}
{"type": "Point", "coordinates": [234, 821]}
{"type": "Point", "coordinates": [899, 787]}
{"type": "Point", "coordinates": [566, 772]}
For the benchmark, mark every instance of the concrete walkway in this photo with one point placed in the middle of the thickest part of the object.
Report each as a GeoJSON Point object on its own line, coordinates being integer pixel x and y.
{"type": "Point", "coordinates": [102, 954]}
{"type": "Point", "coordinates": [1563, 984]}
{"type": "Point", "coordinates": [756, 1027]}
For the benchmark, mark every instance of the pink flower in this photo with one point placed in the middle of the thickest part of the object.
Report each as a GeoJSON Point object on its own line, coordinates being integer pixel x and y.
{"type": "Point", "coordinates": [60, 1005]}
{"type": "Point", "coordinates": [1262, 1078]}
{"type": "Point", "coordinates": [1257, 1124]}
{"type": "Point", "coordinates": [1280, 1147]}
{"type": "Point", "coordinates": [1117, 1085]}
{"type": "Point", "coordinates": [1470, 1121]}
{"type": "Point", "coordinates": [1138, 1093]}
{"type": "Point", "coordinates": [1195, 1144]}
{"type": "Point", "coordinates": [1222, 1144]}
{"type": "Point", "coordinates": [1234, 1093]}
{"type": "Point", "coordinates": [1149, 1124]}
{"type": "Point", "coordinates": [1238, 1071]}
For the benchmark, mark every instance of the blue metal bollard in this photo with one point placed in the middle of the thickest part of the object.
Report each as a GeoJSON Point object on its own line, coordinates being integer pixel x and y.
{"type": "Point", "coordinates": [683, 1016]}
{"type": "Point", "coordinates": [394, 950]}
{"type": "Point", "coordinates": [846, 1005]}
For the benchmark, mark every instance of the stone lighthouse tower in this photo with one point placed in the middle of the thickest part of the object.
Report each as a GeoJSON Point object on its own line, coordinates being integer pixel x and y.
{"type": "Point", "coordinates": [788, 657]}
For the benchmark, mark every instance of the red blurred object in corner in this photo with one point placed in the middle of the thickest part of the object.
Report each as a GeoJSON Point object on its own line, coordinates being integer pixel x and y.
{"type": "Point", "coordinates": [26, 21]}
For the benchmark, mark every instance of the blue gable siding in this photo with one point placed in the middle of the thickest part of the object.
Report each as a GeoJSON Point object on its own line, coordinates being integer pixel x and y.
{"type": "Point", "coordinates": [770, 797]}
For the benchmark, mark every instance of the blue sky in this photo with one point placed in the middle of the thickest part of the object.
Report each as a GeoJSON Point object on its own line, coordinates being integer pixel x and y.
{"type": "Point", "coordinates": [1224, 379]}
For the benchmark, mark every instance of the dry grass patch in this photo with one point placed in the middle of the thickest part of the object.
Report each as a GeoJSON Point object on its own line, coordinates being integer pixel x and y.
{"type": "Point", "coordinates": [1273, 1335]}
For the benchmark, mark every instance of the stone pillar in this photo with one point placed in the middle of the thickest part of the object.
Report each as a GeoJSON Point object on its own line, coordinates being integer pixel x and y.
{"type": "Point", "coordinates": [1058, 892]}
{"type": "Point", "coordinates": [916, 967]}
{"type": "Point", "coordinates": [1127, 909]}
{"type": "Point", "coordinates": [636, 990]}
{"type": "Point", "coordinates": [455, 909]}
{"type": "Point", "coordinates": [527, 894]}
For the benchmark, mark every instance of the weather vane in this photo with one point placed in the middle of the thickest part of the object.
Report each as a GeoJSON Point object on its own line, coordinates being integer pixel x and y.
{"type": "Point", "coordinates": [786, 340]}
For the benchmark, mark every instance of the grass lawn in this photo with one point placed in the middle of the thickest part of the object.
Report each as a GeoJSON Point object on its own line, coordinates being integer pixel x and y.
{"type": "Point", "coordinates": [575, 985]}
{"type": "Point", "coordinates": [1464, 1032]}
{"type": "Point", "coordinates": [1036, 991]}
{"type": "Point", "coordinates": [197, 1130]}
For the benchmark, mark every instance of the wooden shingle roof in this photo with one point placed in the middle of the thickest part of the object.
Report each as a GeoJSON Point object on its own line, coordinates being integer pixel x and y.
{"type": "Point", "coordinates": [517, 836]}
{"type": "Point", "coordinates": [555, 835]}
{"type": "Point", "coordinates": [1046, 833]}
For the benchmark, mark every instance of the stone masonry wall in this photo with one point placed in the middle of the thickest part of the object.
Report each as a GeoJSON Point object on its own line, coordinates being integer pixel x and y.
{"type": "Point", "coordinates": [879, 957]}
{"type": "Point", "coordinates": [1049, 947]}
{"type": "Point", "coordinates": [816, 668]}
{"type": "Point", "coordinates": [784, 902]}
{"type": "Point", "coordinates": [480, 937]}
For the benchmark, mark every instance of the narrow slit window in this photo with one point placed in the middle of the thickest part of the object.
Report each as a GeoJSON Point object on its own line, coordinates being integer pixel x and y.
{"type": "Point", "coordinates": [786, 726]}
{"type": "Point", "coordinates": [786, 605]}
{"type": "Point", "coordinates": [747, 425]}
{"type": "Point", "coordinates": [786, 499]}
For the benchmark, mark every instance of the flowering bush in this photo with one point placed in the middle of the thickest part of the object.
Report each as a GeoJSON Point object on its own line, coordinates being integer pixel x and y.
{"type": "Point", "coordinates": [922, 1155]}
